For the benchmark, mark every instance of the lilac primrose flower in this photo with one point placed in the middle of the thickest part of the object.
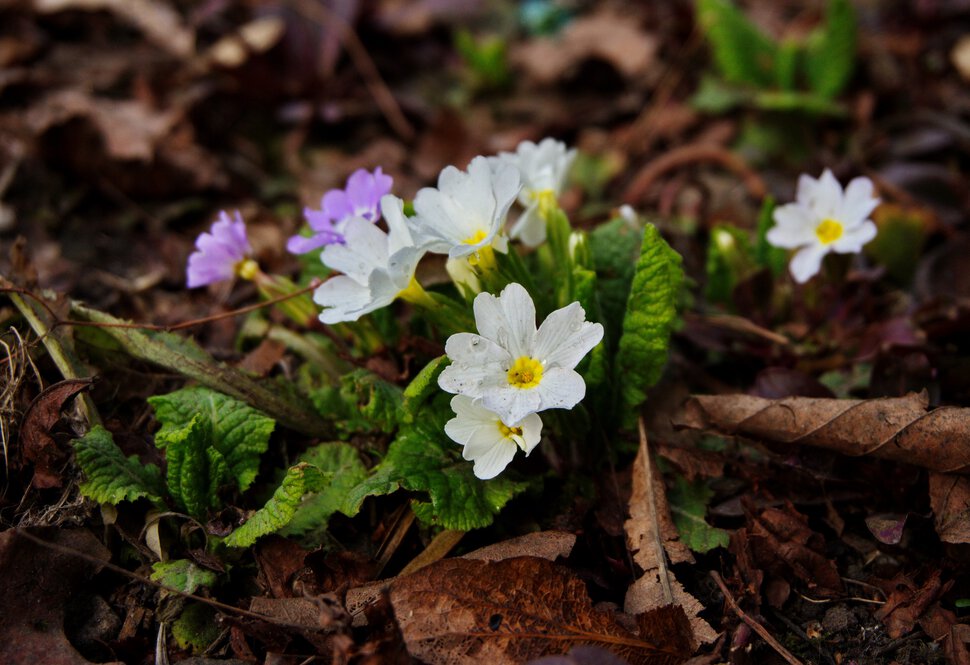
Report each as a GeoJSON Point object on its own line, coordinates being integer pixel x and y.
{"type": "Point", "coordinates": [221, 254]}
{"type": "Point", "coordinates": [360, 198]}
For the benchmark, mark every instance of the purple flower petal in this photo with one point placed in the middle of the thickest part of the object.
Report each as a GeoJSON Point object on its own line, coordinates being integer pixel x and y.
{"type": "Point", "coordinates": [218, 251]}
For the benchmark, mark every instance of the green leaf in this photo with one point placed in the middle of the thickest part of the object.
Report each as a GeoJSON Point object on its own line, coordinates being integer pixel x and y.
{"type": "Point", "coordinates": [195, 470]}
{"type": "Point", "coordinates": [651, 315]}
{"type": "Point", "coordinates": [614, 247]}
{"type": "Point", "coordinates": [688, 506]}
{"type": "Point", "coordinates": [362, 403]}
{"type": "Point", "coordinates": [423, 459]}
{"type": "Point", "coordinates": [196, 628]}
{"type": "Point", "coordinates": [715, 96]}
{"type": "Point", "coordinates": [184, 356]}
{"type": "Point", "coordinates": [110, 477]}
{"type": "Point", "coordinates": [422, 386]}
{"type": "Point", "coordinates": [282, 506]}
{"type": "Point", "coordinates": [343, 462]}
{"type": "Point", "coordinates": [830, 51]}
{"type": "Point", "coordinates": [238, 431]}
{"type": "Point", "coordinates": [182, 574]}
{"type": "Point", "coordinates": [742, 53]}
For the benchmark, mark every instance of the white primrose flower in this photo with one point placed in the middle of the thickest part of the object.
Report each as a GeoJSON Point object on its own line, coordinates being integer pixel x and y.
{"type": "Point", "coordinates": [465, 213]}
{"type": "Point", "coordinates": [514, 369]}
{"type": "Point", "coordinates": [543, 168]}
{"type": "Point", "coordinates": [824, 219]}
{"type": "Point", "coordinates": [377, 267]}
{"type": "Point", "coordinates": [488, 441]}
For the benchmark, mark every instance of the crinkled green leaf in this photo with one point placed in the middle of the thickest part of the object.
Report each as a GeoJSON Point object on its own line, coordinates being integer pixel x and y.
{"type": "Point", "coordinates": [110, 477]}
{"type": "Point", "coordinates": [362, 403]}
{"type": "Point", "coordinates": [423, 459]}
{"type": "Point", "coordinates": [196, 628]}
{"type": "Point", "coordinates": [238, 431]}
{"type": "Point", "coordinates": [279, 510]}
{"type": "Point", "coordinates": [343, 462]}
{"type": "Point", "coordinates": [742, 53]}
{"type": "Point", "coordinates": [182, 574]}
{"type": "Point", "coordinates": [614, 247]}
{"type": "Point", "coordinates": [422, 387]}
{"type": "Point", "coordinates": [195, 470]}
{"type": "Point", "coordinates": [830, 52]}
{"type": "Point", "coordinates": [651, 315]}
{"type": "Point", "coordinates": [688, 506]}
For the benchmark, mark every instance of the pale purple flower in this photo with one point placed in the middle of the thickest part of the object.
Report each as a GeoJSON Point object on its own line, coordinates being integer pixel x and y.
{"type": "Point", "coordinates": [360, 198]}
{"type": "Point", "coordinates": [220, 253]}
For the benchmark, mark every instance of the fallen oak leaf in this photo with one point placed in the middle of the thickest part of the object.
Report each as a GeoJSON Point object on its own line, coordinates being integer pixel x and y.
{"type": "Point", "coordinates": [895, 428]}
{"type": "Point", "coordinates": [464, 611]}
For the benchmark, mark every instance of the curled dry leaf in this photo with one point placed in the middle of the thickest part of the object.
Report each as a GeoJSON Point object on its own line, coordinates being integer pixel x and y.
{"type": "Point", "coordinates": [895, 428]}
{"type": "Point", "coordinates": [37, 446]}
{"type": "Point", "coordinates": [950, 500]}
{"type": "Point", "coordinates": [907, 601]}
{"type": "Point", "coordinates": [543, 544]}
{"type": "Point", "coordinates": [649, 592]}
{"type": "Point", "coordinates": [463, 611]}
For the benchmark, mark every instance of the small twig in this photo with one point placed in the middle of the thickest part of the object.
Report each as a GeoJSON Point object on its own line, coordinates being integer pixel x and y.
{"type": "Point", "coordinates": [321, 14]}
{"type": "Point", "coordinates": [688, 154]}
{"type": "Point", "coordinates": [393, 539]}
{"type": "Point", "coordinates": [663, 573]}
{"type": "Point", "coordinates": [754, 625]}
{"type": "Point", "coordinates": [231, 609]}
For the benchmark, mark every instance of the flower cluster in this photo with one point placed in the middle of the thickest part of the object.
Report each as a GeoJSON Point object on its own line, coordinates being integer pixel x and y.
{"type": "Point", "coordinates": [824, 219]}
{"type": "Point", "coordinates": [358, 200]}
{"type": "Point", "coordinates": [509, 372]}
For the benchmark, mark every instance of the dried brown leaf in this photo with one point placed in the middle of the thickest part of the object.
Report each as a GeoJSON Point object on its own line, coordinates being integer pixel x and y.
{"type": "Point", "coordinates": [950, 500]}
{"type": "Point", "coordinates": [648, 592]}
{"type": "Point", "coordinates": [606, 35]}
{"type": "Point", "coordinates": [157, 19]}
{"type": "Point", "coordinates": [37, 446]}
{"type": "Point", "coordinates": [463, 611]}
{"type": "Point", "coordinates": [37, 583]}
{"type": "Point", "coordinates": [908, 601]}
{"type": "Point", "coordinates": [544, 544]}
{"type": "Point", "coordinates": [896, 428]}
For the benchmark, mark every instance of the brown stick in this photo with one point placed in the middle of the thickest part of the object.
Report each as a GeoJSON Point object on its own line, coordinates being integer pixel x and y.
{"type": "Point", "coordinates": [755, 626]}
{"type": "Point", "coordinates": [663, 573]}
{"type": "Point", "coordinates": [687, 154]}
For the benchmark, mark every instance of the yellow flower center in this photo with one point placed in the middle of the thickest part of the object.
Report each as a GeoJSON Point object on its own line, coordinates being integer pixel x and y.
{"type": "Point", "coordinates": [829, 231]}
{"type": "Point", "coordinates": [508, 432]}
{"type": "Point", "coordinates": [475, 239]}
{"type": "Point", "coordinates": [247, 269]}
{"type": "Point", "coordinates": [525, 372]}
{"type": "Point", "coordinates": [546, 198]}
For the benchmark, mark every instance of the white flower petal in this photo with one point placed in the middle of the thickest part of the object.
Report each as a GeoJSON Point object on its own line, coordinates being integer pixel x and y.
{"type": "Point", "coordinates": [531, 431]}
{"type": "Point", "coordinates": [853, 239]}
{"type": "Point", "coordinates": [489, 462]}
{"type": "Point", "coordinates": [828, 197]}
{"type": "Point", "coordinates": [560, 388]}
{"type": "Point", "coordinates": [565, 337]}
{"type": "Point", "coordinates": [508, 320]}
{"type": "Point", "coordinates": [807, 190]}
{"type": "Point", "coordinates": [343, 298]}
{"type": "Point", "coordinates": [530, 227]}
{"type": "Point", "coordinates": [807, 262]}
{"type": "Point", "coordinates": [364, 250]}
{"type": "Point", "coordinates": [858, 202]}
{"type": "Point", "coordinates": [512, 404]}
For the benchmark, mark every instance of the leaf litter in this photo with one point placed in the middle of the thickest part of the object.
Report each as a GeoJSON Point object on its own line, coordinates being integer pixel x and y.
{"type": "Point", "coordinates": [129, 122]}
